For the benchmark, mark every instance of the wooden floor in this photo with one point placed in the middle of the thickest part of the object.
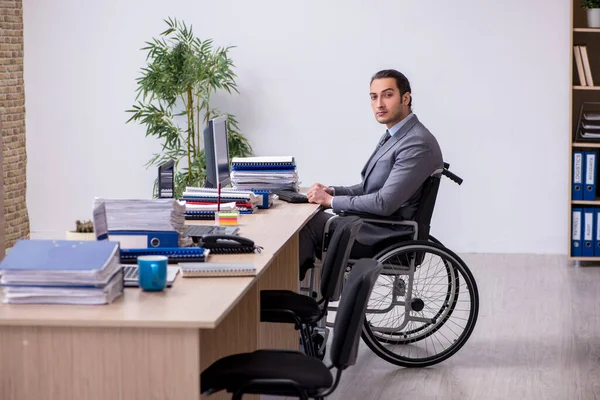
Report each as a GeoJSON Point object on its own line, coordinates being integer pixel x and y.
{"type": "Point", "coordinates": [537, 337]}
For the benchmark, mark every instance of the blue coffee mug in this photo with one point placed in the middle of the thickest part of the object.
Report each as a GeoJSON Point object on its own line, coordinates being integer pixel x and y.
{"type": "Point", "coordinates": [152, 272]}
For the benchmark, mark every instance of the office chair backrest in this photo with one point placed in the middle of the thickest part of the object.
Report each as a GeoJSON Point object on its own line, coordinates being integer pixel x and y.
{"type": "Point", "coordinates": [426, 205]}
{"type": "Point", "coordinates": [351, 312]}
{"type": "Point", "coordinates": [337, 256]}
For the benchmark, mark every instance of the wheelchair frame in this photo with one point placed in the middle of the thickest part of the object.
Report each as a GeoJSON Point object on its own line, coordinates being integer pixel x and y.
{"type": "Point", "coordinates": [419, 230]}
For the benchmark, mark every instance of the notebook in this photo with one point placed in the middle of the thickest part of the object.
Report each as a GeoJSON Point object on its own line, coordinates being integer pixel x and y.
{"type": "Point", "coordinates": [212, 269]}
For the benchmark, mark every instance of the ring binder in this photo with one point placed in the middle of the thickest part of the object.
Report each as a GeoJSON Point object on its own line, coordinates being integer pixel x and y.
{"type": "Point", "coordinates": [197, 270]}
{"type": "Point", "coordinates": [174, 254]}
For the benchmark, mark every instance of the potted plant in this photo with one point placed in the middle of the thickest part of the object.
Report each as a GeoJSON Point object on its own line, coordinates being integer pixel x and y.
{"type": "Point", "coordinates": [84, 230]}
{"type": "Point", "coordinates": [593, 12]}
{"type": "Point", "coordinates": [173, 100]}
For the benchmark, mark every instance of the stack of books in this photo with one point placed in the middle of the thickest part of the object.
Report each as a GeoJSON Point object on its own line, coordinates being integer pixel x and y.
{"type": "Point", "coordinates": [62, 272]}
{"type": "Point", "coordinates": [264, 173]}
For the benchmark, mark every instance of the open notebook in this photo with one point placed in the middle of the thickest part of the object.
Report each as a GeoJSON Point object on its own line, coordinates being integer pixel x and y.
{"type": "Point", "coordinates": [212, 269]}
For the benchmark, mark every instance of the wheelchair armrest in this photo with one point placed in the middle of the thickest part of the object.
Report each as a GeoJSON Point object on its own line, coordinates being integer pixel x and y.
{"type": "Point", "coordinates": [392, 220]}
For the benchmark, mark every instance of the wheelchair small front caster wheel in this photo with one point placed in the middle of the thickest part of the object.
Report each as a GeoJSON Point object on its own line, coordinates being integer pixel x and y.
{"type": "Point", "coordinates": [318, 342]}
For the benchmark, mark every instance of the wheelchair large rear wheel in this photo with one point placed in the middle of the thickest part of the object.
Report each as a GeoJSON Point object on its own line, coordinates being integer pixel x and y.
{"type": "Point", "coordinates": [411, 334]}
{"type": "Point", "coordinates": [423, 307]}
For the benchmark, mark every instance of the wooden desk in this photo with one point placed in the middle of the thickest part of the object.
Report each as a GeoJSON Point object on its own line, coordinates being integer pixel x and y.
{"type": "Point", "coordinates": [153, 345]}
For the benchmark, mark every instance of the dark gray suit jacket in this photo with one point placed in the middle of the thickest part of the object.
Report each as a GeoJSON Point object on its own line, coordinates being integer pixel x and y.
{"type": "Point", "coordinates": [392, 179]}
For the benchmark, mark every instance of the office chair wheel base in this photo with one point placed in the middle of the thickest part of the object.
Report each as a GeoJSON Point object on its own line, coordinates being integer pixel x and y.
{"type": "Point", "coordinates": [440, 282]}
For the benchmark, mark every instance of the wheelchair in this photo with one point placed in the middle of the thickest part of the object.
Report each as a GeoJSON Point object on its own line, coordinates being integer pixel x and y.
{"type": "Point", "coordinates": [425, 303]}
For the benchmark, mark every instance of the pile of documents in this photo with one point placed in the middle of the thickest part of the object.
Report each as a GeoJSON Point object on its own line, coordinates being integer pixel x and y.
{"type": "Point", "coordinates": [202, 203]}
{"type": "Point", "coordinates": [140, 215]}
{"type": "Point", "coordinates": [62, 272]}
{"type": "Point", "coordinates": [264, 173]}
{"type": "Point", "coordinates": [590, 125]}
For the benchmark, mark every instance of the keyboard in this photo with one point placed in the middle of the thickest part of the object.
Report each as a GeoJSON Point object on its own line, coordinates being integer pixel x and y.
{"type": "Point", "coordinates": [131, 275]}
{"type": "Point", "coordinates": [203, 230]}
{"type": "Point", "coordinates": [290, 196]}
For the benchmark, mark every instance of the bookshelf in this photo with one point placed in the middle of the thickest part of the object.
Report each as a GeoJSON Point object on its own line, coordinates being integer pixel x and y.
{"type": "Point", "coordinates": [585, 45]}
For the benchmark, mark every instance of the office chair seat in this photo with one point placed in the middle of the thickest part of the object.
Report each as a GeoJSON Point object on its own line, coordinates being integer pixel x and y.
{"type": "Point", "coordinates": [232, 372]}
{"type": "Point", "coordinates": [302, 306]}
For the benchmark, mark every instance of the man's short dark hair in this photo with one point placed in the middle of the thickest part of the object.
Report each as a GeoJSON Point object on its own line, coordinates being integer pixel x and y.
{"type": "Point", "coordinates": [401, 81]}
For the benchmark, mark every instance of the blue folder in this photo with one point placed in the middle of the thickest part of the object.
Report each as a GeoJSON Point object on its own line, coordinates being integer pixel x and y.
{"type": "Point", "coordinates": [590, 176]}
{"type": "Point", "coordinates": [59, 255]}
{"type": "Point", "coordinates": [576, 234]}
{"type": "Point", "coordinates": [151, 238]}
{"type": "Point", "coordinates": [596, 232]}
{"type": "Point", "coordinates": [587, 249]}
{"type": "Point", "coordinates": [578, 174]}
{"type": "Point", "coordinates": [60, 262]}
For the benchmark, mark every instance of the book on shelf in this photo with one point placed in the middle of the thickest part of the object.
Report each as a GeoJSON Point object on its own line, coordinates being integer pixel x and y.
{"type": "Point", "coordinates": [579, 65]}
{"type": "Point", "coordinates": [582, 63]}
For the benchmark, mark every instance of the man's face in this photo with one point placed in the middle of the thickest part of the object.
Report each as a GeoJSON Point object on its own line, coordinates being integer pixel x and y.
{"type": "Point", "coordinates": [388, 106]}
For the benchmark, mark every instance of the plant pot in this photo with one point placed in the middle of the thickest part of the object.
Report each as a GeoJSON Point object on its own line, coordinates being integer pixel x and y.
{"type": "Point", "coordinates": [593, 17]}
{"type": "Point", "coordinates": [80, 236]}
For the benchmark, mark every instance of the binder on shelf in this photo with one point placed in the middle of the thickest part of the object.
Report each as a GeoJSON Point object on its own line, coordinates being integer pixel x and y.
{"type": "Point", "coordinates": [576, 236]}
{"type": "Point", "coordinates": [596, 232]}
{"type": "Point", "coordinates": [577, 192]}
{"type": "Point", "coordinates": [587, 249]}
{"type": "Point", "coordinates": [589, 193]}
{"type": "Point", "coordinates": [144, 239]}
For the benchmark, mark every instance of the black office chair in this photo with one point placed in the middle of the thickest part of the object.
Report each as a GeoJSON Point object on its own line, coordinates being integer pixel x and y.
{"type": "Point", "coordinates": [291, 373]}
{"type": "Point", "coordinates": [285, 306]}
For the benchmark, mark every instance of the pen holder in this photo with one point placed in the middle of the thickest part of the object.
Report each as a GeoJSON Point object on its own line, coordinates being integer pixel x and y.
{"type": "Point", "coordinates": [227, 218]}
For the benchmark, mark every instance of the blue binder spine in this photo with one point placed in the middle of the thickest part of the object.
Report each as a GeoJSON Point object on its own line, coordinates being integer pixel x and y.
{"type": "Point", "coordinates": [597, 232]}
{"type": "Point", "coordinates": [576, 236]}
{"type": "Point", "coordinates": [145, 239]}
{"type": "Point", "coordinates": [590, 176]}
{"type": "Point", "coordinates": [587, 249]}
{"type": "Point", "coordinates": [265, 195]}
{"type": "Point", "coordinates": [578, 173]}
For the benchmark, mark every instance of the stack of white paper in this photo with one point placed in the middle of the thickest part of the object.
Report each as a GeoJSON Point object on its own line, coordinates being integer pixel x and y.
{"type": "Point", "coordinates": [143, 215]}
{"type": "Point", "coordinates": [264, 173]}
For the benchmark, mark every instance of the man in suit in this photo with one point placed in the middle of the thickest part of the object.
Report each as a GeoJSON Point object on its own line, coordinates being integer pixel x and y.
{"type": "Point", "coordinates": [392, 178]}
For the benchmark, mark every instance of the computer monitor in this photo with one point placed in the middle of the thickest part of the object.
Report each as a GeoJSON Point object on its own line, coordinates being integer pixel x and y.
{"type": "Point", "coordinates": [216, 151]}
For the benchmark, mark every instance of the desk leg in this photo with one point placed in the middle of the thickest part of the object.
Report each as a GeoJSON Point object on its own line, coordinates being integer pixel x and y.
{"type": "Point", "coordinates": [58, 363]}
{"type": "Point", "coordinates": [281, 275]}
{"type": "Point", "coordinates": [237, 333]}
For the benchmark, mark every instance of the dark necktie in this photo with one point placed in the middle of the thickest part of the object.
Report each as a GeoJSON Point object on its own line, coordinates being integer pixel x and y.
{"type": "Point", "coordinates": [384, 139]}
{"type": "Point", "coordinates": [381, 143]}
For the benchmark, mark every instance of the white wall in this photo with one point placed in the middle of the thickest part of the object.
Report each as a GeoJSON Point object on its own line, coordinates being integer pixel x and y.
{"type": "Point", "coordinates": [489, 79]}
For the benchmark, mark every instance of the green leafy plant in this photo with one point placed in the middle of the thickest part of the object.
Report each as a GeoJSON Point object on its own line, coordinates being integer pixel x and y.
{"type": "Point", "coordinates": [590, 3]}
{"type": "Point", "coordinates": [173, 100]}
{"type": "Point", "coordinates": [85, 226]}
